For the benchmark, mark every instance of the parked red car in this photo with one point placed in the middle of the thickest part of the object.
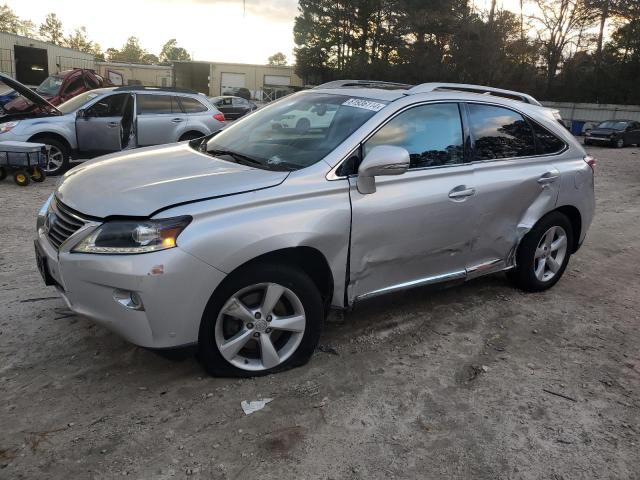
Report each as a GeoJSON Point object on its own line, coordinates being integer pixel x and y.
{"type": "Point", "coordinates": [57, 89]}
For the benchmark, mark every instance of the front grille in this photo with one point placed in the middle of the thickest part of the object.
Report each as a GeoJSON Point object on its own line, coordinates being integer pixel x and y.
{"type": "Point", "coordinates": [61, 223]}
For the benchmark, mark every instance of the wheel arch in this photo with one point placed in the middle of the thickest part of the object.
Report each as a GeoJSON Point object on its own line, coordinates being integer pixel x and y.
{"type": "Point", "coordinates": [191, 132]}
{"type": "Point", "coordinates": [573, 214]}
{"type": "Point", "coordinates": [311, 260]}
{"type": "Point", "coordinates": [40, 135]}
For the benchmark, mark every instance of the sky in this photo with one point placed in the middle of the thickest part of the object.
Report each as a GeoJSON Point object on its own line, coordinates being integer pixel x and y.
{"type": "Point", "coordinates": [210, 30]}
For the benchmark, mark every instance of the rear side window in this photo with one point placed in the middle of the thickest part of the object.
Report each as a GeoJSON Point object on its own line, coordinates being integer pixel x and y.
{"type": "Point", "coordinates": [432, 134]}
{"type": "Point", "coordinates": [157, 104]}
{"type": "Point", "coordinates": [500, 133]}
{"type": "Point", "coordinates": [191, 105]}
{"type": "Point", "coordinates": [547, 142]}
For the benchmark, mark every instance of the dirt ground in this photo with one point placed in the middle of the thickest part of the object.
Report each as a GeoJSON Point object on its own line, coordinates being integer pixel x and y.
{"type": "Point", "coordinates": [428, 384]}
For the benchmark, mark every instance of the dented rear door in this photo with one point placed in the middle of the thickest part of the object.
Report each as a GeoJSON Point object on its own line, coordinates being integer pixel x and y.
{"type": "Point", "coordinates": [515, 186]}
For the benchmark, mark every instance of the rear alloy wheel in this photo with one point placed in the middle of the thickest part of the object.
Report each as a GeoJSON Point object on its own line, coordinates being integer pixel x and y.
{"type": "Point", "coordinates": [263, 319]}
{"type": "Point", "coordinates": [543, 254]}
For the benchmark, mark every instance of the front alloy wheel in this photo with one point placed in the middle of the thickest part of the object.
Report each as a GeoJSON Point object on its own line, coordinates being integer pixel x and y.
{"type": "Point", "coordinates": [263, 318]}
{"type": "Point", "coordinates": [55, 162]}
{"type": "Point", "coordinates": [260, 326]}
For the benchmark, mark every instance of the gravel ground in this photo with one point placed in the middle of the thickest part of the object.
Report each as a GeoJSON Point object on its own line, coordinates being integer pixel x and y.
{"type": "Point", "coordinates": [432, 383]}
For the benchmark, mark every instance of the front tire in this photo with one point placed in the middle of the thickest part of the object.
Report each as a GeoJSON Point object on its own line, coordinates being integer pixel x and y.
{"type": "Point", "coordinates": [543, 254]}
{"type": "Point", "coordinates": [262, 319]}
{"type": "Point", "coordinates": [58, 161]}
{"type": "Point", "coordinates": [619, 143]}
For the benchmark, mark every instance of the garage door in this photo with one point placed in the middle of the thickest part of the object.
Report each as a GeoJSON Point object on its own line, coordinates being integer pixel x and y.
{"type": "Point", "coordinates": [279, 80]}
{"type": "Point", "coordinates": [231, 82]}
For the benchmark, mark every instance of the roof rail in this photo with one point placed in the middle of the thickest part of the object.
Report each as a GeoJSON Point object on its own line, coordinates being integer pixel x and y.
{"type": "Point", "coordinates": [479, 89]}
{"type": "Point", "coordinates": [129, 88]}
{"type": "Point", "coordinates": [365, 84]}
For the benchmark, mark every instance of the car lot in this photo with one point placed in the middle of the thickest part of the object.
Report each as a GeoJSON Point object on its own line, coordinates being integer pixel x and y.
{"type": "Point", "coordinates": [427, 384]}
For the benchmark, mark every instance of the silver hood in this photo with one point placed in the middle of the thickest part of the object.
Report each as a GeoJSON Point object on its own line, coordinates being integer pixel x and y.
{"type": "Point", "coordinates": [140, 182]}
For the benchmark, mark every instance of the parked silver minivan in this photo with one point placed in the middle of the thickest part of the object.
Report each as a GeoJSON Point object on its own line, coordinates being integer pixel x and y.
{"type": "Point", "coordinates": [105, 120]}
{"type": "Point", "coordinates": [240, 242]}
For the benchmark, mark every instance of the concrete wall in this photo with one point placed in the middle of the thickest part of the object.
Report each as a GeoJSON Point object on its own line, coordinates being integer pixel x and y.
{"type": "Point", "coordinates": [149, 75]}
{"type": "Point", "coordinates": [593, 113]}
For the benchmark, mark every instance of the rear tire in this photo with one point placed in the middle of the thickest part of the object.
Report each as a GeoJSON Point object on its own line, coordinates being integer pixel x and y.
{"type": "Point", "coordinates": [58, 162]}
{"type": "Point", "coordinates": [587, 142]}
{"type": "Point", "coordinates": [3, 173]}
{"type": "Point", "coordinates": [543, 254]}
{"type": "Point", "coordinates": [239, 310]}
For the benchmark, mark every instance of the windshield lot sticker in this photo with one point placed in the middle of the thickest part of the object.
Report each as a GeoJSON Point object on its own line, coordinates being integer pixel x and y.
{"type": "Point", "coordinates": [366, 104]}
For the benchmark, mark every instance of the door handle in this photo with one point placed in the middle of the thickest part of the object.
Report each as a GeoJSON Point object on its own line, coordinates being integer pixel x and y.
{"type": "Point", "coordinates": [462, 192]}
{"type": "Point", "coordinates": [549, 177]}
{"type": "Point", "coordinates": [177, 120]}
{"type": "Point", "coordinates": [113, 124]}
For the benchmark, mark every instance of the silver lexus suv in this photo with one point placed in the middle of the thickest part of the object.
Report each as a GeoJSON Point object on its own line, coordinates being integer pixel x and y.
{"type": "Point", "coordinates": [240, 242]}
{"type": "Point", "coordinates": [104, 120]}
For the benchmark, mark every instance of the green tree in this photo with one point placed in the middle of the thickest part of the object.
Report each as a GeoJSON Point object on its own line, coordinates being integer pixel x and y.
{"type": "Point", "coordinates": [51, 30]}
{"type": "Point", "coordinates": [131, 52]}
{"type": "Point", "coordinates": [10, 22]}
{"type": "Point", "coordinates": [171, 52]}
{"type": "Point", "coordinates": [277, 59]}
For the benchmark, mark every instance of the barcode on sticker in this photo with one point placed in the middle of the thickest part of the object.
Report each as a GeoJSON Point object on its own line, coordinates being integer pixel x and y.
{"type": "Point", "coordinates": [366, 104]}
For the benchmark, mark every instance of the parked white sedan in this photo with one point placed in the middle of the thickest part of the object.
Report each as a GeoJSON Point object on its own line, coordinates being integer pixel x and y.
{"type": "Point", "coordinates": [315, 117]}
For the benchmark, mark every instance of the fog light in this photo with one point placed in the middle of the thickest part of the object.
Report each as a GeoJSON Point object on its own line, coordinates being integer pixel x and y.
{"type": "Point", "coordinates": [127, 299]}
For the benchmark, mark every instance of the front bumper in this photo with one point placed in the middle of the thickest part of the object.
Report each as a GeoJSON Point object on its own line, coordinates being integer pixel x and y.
{"type": "Point", "coordinates": [173, 300]}
{"type": "Point", "coordinates": [600, 139]}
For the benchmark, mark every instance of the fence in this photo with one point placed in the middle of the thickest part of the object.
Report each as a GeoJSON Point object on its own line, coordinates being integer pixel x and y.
{"type": "Point", "coordinates": [581, 116]}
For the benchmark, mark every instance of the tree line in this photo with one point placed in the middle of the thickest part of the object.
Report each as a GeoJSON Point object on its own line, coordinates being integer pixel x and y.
{"type": "Point", "coordinates": [568, 50]}
{"type": "Point", "coordinates": [52, 31]}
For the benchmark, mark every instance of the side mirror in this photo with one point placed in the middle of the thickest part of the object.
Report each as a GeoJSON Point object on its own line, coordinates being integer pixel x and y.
{"type": "Point", "coordinates": [381, 160]}
{"type": "Point", "coordinates": [81, 113]}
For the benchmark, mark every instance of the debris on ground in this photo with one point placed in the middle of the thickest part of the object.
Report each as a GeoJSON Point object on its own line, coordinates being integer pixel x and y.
{"type": "Point", "coordinates": [551, 392]}
{"type": "Point", "coordinates": [254, 405]}
{"type": "Point", "coordinates": [328, 349]}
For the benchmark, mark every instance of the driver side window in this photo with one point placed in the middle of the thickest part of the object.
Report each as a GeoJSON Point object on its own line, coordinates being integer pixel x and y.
{"type": "Point", "coordinates": [111, 106]}
{"type": "Point", "coordinates": [432, 134]}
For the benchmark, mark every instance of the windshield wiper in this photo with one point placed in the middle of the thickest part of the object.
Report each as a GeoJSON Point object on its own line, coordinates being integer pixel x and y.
{"type": "Point", "coordinates": [238, 157]}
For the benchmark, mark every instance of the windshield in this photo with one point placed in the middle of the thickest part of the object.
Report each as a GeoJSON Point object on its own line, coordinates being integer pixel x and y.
{"type": "Point", "coordinates": [614, 125]}
{"type": "Point", "coordinates": [294, 132]}
{"type": "Point", "coordinates": [50, 86]}
{"type": "Point", "coordinates": [77, 102]}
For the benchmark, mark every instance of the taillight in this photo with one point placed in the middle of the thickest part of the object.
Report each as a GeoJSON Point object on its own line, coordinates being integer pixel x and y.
{"type": "Point", "coordinates": [219, 116]}
{"type": "Point", "coordinates": [591, 161]}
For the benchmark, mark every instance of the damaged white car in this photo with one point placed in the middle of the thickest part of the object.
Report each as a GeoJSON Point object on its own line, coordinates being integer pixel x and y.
{"type": "Point", "coordinates": [240, 242]}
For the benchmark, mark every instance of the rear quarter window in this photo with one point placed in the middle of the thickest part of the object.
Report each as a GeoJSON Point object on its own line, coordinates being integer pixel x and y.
{"type": "Point", "coordinates": [547, 142]}
{"type": "Point", "coordinates": [191, 105]}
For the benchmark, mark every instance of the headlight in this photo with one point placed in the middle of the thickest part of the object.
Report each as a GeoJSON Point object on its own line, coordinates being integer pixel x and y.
{"type": "Point", "coordinates": [8, 126]}
{"type": "Point", "coordinates": [130, 236]}
{"type": "Point", "coordinates": [42, 214]}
